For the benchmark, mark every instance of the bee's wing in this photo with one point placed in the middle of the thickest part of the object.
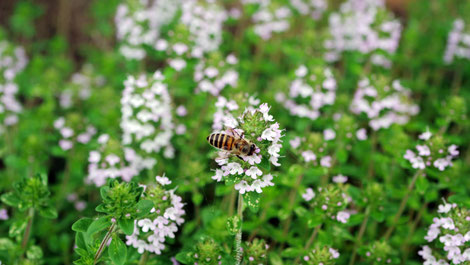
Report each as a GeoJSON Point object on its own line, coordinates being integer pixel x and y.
{"type": "Point", "coordinates": [230, 131]}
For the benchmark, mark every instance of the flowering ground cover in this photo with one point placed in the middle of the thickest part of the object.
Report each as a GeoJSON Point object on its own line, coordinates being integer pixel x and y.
{"type": "Point", "coordinates": [234, 132]}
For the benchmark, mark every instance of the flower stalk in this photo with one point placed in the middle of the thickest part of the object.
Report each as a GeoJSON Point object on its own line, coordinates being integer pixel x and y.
{"type": "Point", "coordinates": [402, 205]}
{"type": "Point", "coordinates": [238, 236]}
{"type": "Point", "coordinates": [104, 243]}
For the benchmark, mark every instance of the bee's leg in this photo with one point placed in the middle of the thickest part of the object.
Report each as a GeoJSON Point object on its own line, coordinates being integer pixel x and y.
{"type": "Point", "coordinates": [241, 158]}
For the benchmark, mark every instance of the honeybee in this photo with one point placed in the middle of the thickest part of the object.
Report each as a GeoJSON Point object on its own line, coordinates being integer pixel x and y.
{"type": "Point", "coordinates": [232, 142]}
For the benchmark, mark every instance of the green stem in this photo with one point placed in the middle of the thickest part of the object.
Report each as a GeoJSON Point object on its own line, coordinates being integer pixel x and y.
{"type": "Point", "coordinates": [238, 236]}
{"type": "Point", "coordinates": [362, 229]}
{"type": "Point", "coordinates": [27, 232]}
{"type": "Point", "coordinates": [104, 243]}
{"type": "Point", "coordinates": [310, 241]}
{"type": "Point", "coordinates": [144, 258]}
{"type": "Point", "coordinates": [402, 205]}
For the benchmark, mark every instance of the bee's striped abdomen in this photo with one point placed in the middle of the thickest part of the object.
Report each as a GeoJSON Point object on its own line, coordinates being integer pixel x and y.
{"type": "Point", "coordinates": [221, 141]}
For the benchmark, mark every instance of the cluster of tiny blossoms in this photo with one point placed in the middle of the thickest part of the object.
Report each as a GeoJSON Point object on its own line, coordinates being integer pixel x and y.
{"type": "Point", "coordinates": [72, 131]}
{"type": "Point", "coordinates": [12, 61]}
{"type": "Point", "coordinates": [458, 43]}
{"type": "Point", "coordinates": [81, 87]}
{"type": "Point", "coordinates": [311, 90]}
{"type": "Point", "coordinates": [330, 200]}
{"type": "Point", "coordinates": [150, 233]}
{"type": "Point", "coordinates": [249, 174]}
{"type": "Point", "coordinates": [139, 23]}
{"type": "Point", "coordinates": [269, 18]}
{"type": "Point", "coordinates": [314, 150]}
{"type": "Point", "coordinates": [214, 75]}
{"type": "Point", "coordinates": [314, 8]}
{"type": "Point", "coordinates": [431, 152]}
{"type": "Point", "coordinates": [224, 111]}
{"type": "Point", "coordinates": [383, 104]}
{"type": "Point", "coordinates": [204, 20]}
{"type": "Point", "coordinates": [321, 255]}
{"type": "Point", "coordinates": [364, 26]}
{"type": "Point", "coordinates": [452, 230]}
{"type": "Point", "coordinates": [147, 121]}
{"type": "Point", "coordinates": [111, 160]}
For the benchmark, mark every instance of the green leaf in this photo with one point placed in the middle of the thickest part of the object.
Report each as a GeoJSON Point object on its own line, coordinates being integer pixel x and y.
{"type": "Point", "coordinates": [265, 164]}
{"type": "Point", "coordinates": [127, 226]}
{"type": "Point", "coordinates": [252, 201]}
{"type": "Point", "coordinates": [314, 221]}
{"type": "Point", "coordinates": [98, 225]}
{"type": "Point", "coordinates": [10, 199]}
{"type": "Point", "coordinates": [197, 198]}
{"type": "Point", "coordinates": [184, 257]}
{"type": "Point", "coordinates": [104, 192]}
{"type": "Point", "coordinates": [117, 251]}
{"type": "Point", "coordinates": [48, 212]}
{"type": "Point", "coordinates": [233, 224]}
{"type": "Point", "coordinates": [34, 252]}
{"type": "Point", "coordinates": [378, 215]}
{"type": "Point", "coordinates": [422, 184]}
{"type": "Point", "coordinates": [80, 240]}
{"type": "Point", "coordinates": [82, 224]}
{"type": "Point", "coordinates": [82, 252]}
{"type": "Point", "coordinates": [144, 207]}
{"type": "Point", "coordinates": [18, 227]}
{"type": "Point", "coordinates": [101, 208]}
{"type": "Point", "coordinates": [292, 252]}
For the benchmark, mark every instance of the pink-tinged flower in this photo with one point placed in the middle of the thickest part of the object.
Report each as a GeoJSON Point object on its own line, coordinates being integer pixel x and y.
{"type": "Point", "coordinates": [163, 180]}
{"type": "Point", "coordinates": [334, 253]}
{"type": "Point", "coordinates": [423, 150]}
{"type": "Point", "coordinates": [441, 163]}
{"type": "Point", "coordinates": [295, 143]}
{"type": "Point", "coordinates": [325, 161]}
{"type": "Point", "coordinates": [309, 156]}
{"type": "Point", "coordinates": [242, 187]}
{"type": "Point", "coordinates": [253, 159]}
{"type": "Point", "coordinates": [329, 134]}
{"type": "Point", "coordinates": [340, 179]}
{"type": "Point", "coordinates": [309, 194]}
{"type": "Point", "coordinates": [254, 172]}
{"type": "Point", "coordinates": [361, 134]}
{"type": "Point", "coordinates": [452, 149]}
{"type": "Point", "coordinates": [181, 111]}
{"type": "Point", "coordinates": [65, 144]}
{"type": "Point", "coordinates": [234, 168]}
{"type": "Point", "coordinates": [4, 214]}
{"type": "Point", "coordinates": [218, 175]}
{"type": "Point", "coordinates": [425, 136]}
{"type": "Point", "coordinates": [343, 216]}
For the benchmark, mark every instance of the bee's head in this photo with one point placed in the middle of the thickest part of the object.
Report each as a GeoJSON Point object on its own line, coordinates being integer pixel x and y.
{"type": "Point", "coordinates": [251, 149]}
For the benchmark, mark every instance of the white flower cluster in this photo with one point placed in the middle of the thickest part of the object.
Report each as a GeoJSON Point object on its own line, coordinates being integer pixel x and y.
{"type": "Point", "coordinates": [268, 19]}
{"type": "Point", "coordinates": [82, 84]}
{"type": "Point", "coordinates": [268, 145]}
{"type": "Point", "coordinates": [308, 152]}
{"type": "Point", "coordinates": [223, 116]}
{"type": "Point", "coordinates": [70, 135]}
{"type": "Point", "coordinates": [364, 26]}
{"type": "Point", "coordinates": [425, 157]}
{"type": "Point", "coordinates": [12, 61]}
{"type": "Point", "coordinates": [140, 24]}
{"type": "Point", "coordinates": [383, 105]}
{"type": "Point", "coordinates": [332, 203]}
{"type": "Point", "coordinates": [214, 78]}
{"type": "Point", "coordinates": [452, 231]}
{"type": "Point", "coordinates": [205, 23]}
{"type": "Point", "coordinates": [458, 43]}
{"type": "Point", "coordinates": [150, 233]}
{"type": "Point", "coordinates": [317, 87]}
{"type": "Point", "coordinates": [111, 160]}
{"type": "Point", "coordinates": [147, 121]}
{"type": "Point", "coordinates": [334, 254]}
{"type": "Point", "coordinates": [314, 8]}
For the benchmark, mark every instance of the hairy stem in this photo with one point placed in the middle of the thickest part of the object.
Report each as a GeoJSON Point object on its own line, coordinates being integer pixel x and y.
{"type": "Point", "coordinates": [27, 232]}
{"type": "Point", "coordinates": [104, 243]}
{"type": "Point", "coordinates": [402, 205]}
{"type": "Point", "coordinates": [238, 236]}
{"type": "Point", "coordinates": [310, 241]}
{"type": "Point", "coordinates": [360, 234]}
